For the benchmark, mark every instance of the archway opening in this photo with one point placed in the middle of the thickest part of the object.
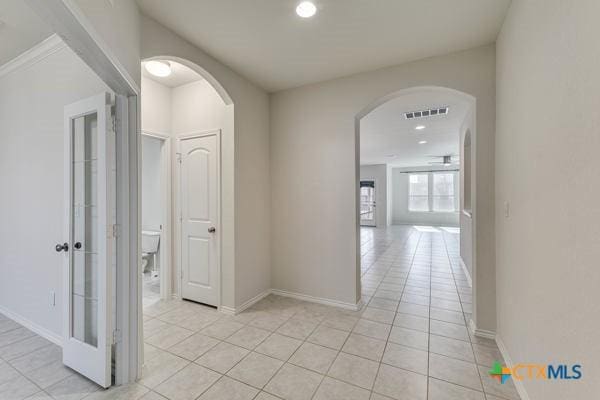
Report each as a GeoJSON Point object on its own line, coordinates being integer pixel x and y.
{"type": "Point", "coordinates": [414, 238]}
{"type": "Point", "coordinates": [187, 122]}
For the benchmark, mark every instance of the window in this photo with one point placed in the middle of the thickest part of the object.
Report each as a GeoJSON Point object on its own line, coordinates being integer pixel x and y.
{"type": "Point", "coordinates": [418, 192]}
{"type": "Point", "coordinates": [443, 192]}
{"type": "Point", "coordinates": [431, 192]}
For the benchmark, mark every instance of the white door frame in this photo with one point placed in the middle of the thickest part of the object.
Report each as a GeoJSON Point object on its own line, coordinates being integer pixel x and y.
{"type": "Point", "coordinates": [71, 24]}
{"type": "Point", "coordinates": [375, 212]}
{"type": "Point", "coordinates": [165, 235]}
{"type": "Point", "coordinates": [178, 224]}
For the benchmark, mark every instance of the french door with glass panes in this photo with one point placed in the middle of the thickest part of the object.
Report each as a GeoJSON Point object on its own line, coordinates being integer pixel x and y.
{"type": "Point", "coordinates": [89, 247]}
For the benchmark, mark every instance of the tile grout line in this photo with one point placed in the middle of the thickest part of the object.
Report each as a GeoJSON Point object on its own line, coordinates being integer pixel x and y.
{"type": "Point", "coordinates": [429, 330]}
{"type": "Point", "coordinates": [401, 295]}
{"type": "Point", "coordinates": [466, 325]}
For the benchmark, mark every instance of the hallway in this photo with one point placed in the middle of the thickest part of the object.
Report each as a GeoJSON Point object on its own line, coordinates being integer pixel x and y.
{"type": "Point", "coordinates": [409, 342]}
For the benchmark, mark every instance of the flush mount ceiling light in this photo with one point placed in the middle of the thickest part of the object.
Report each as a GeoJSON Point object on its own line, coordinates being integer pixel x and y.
{"type": "Point", "coordinates": [420, 127]}
{"type": "Point", "coordinates": [158, 68]}
{"type": "Point", "coordinates": [422, 141]}
{"type": "Point", "coordinates": [306, 9]}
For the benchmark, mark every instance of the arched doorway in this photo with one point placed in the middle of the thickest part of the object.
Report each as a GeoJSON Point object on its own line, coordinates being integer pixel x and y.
{"type": "Point", "coordinates": [420, 107]}
{"type": "Point", "coordinates": [179, 111]}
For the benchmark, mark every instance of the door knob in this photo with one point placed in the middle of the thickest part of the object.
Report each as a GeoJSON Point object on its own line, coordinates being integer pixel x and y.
{"type": "Point", "coordinates": [77, 245]}
{"type": "Point", "coordinates": [62, 247]}
{"type": "Point", "coordinates": [211, 229]}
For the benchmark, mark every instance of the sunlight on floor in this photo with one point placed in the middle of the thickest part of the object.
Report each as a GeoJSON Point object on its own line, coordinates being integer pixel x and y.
{"type": "Point", "coordinates": [426, 228]}
{"type": "Point", "coordinates": [450, 229]}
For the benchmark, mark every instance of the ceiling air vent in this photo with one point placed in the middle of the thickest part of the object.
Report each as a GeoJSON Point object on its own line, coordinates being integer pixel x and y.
{"type": "Point", "coordinates": [426, 113]}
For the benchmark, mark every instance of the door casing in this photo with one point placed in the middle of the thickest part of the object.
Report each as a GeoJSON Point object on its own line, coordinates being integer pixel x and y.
{"type": "Point", "coordinates": [166, 258]}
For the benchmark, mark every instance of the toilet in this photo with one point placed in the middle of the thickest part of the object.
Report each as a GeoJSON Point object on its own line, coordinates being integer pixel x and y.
{"type": "Point", "coordinates": [150, 245]}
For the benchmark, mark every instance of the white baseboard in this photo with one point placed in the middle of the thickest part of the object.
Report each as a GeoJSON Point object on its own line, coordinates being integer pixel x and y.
{"type": "Point", "coordinates": [466, 271]}
{"type": "Point", "coordinates": [482, 333]}
{"type": "Point", "coordinates": [32, 326]}
{"type": "Point", "coordinates": [319, 300]}
{"type": "Point", "coordinates": [328, 302]}
{"type": "Point", "coordinates": [247, 304]}
{"type": "Point", "coordinates": [519, 385]}
{"type": "Point", "coordinates": [227, 310]}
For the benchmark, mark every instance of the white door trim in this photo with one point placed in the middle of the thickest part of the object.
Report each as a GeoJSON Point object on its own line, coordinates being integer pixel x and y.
{"type": "Point", "coordinates": [165, 236]}
{"type": "Point", "coordinates": [178, 225]}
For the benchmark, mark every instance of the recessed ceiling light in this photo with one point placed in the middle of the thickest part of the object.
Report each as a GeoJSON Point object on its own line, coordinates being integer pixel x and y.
{"type": "Point", "coordinates": [419, 127]}
{"type": "Point", "coordinates": [306, 9]}
{"type": "Point", "coordinates": [158, 68]}
{"type": "Point", "coordinates": [422, 141]}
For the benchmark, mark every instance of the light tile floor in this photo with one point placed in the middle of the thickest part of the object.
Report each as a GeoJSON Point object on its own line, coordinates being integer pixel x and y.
{"type": "Point", "coordinates": [409, 342]}
{"type": "Point", "coordinates": [150, 289]}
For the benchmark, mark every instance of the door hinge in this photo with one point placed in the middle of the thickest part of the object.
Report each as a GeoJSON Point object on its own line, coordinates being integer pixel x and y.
{"type": "Point", "coordinates": [117, 337]}
{"type": "Point", "coordinates": [113, 231]}
{"type": "Point", "coordinates": [114, 124]}
{"type": "Point", "coordinates": [113, 116]}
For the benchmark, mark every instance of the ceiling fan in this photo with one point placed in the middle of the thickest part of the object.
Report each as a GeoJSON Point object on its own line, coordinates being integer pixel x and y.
{"type": "Point", "coordinates": [446, 160]}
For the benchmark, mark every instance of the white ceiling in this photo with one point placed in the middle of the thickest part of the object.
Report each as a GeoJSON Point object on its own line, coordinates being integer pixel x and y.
{"type": "Point", "coordinates": [386, 132]}
{"type": "Point", "coordinates": [20, 29]}
{"type": "Point", "coordinates": [180, 75]}
{"type": "Point", "coordinates": [268, 43]}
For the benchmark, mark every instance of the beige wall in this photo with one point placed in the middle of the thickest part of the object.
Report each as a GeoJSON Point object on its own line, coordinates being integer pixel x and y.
{"type": "Point", "coordinates": [548, 249]}
{"type": "Point", "coordinates": [313, 167]}
{"type": "Point", "coordinates": [156, 102]}
{"type": "Point", "coordinates": [118, 24]}
{"type": "Point", "coordinates": [245, 168]}
{"type": "Point", "coordinates": [196, 107]}
{"type": "Point", "coordinates": [32, 203]}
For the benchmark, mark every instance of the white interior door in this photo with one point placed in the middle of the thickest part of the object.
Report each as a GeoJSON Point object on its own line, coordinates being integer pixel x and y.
{"type": "Point", "coordinates": [199, 195]}
{"type": "Point", "coordinates": [89, 249]}
{"type": "Point", "coordinates": [368, 206]}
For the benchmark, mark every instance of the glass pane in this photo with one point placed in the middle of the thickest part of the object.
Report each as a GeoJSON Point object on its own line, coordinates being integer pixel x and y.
{"type": "Point", "coordinates": [443, 203]}
{"type": "Point", "coordinates": [418, 192]}
{"type": "Point", "coordinates": [418, 203]}
{"type": "Point", "coordinates": [443, 192]}
{"type": "Point", "coordinates": [367, 201]}
{"type": "Point", "coordinates": [84, 245]}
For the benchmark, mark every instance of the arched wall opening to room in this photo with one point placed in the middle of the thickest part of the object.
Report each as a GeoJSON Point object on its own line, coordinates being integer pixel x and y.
{"type": "Point", "coordinates": [411, 145]}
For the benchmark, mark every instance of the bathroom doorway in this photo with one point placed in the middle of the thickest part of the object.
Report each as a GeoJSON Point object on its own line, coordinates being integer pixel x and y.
{"type": "Point", "coordinates": [156, 214]}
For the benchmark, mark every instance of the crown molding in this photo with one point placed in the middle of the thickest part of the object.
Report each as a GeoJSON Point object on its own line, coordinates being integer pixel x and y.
{"type": "Point", "coordinates": [48, 46]}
